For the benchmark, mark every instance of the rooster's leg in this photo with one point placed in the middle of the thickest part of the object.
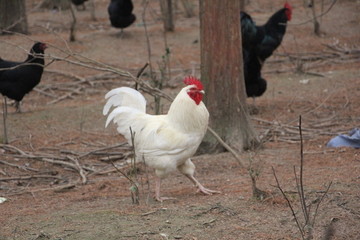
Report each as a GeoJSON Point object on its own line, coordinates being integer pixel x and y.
{"type": "Point", "coordinates": [200, 187]}
{"type": "Point", "coordinates": [157, 191]}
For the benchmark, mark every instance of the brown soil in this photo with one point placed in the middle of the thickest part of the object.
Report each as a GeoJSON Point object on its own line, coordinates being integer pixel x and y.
{"type": "Point", "coordinates": [326, 93]}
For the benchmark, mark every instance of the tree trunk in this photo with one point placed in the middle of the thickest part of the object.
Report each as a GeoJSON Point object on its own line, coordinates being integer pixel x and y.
{"type": "Point", "coordinates": [315, 19]}
{"type": "Point", "coordinates": [189, 8]}
{"type": "Point", "coordinates": [72, 36]}
{"type": "Point", "coordinates": [167, 14]}
{"type": "Point", "coordinates": [222, 74]}
{"type": "Point", "coordinates": [13, 16]}
{"type": "Point", "coordinates": [92, 10]}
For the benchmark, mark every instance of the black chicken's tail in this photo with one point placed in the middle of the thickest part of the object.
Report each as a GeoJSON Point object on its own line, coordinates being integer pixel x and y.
{"type": "Point", "coordinates": [248, 29]}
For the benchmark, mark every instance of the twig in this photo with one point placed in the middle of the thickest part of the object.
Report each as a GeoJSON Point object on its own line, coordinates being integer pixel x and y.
{"type": "Point", "coordinates": [71, 75]}
{"type": "Point", "coordinates": [59, 162]}
{"type": "Point", "coordinates": [320, 201]}
{"type": "Point", "coordinates": [28, 177]}
{"type": "Point", "coordinates": [80, 169]}
{"type": "Point", "coordinates": [149, 213]}
{"type": "Point", "coordinates": [60, 188]}
{"type": "Point", "coordinates": [114, 158]}
{"type": "Point", "coordinates": [102, 149]}
{"type": "Point", "coordinates": [5, 140]}
{"type": "Point", "coordinates": [145, 4]}
{"type": "Point", "coordinates": [320, 15]}
{"type": "Point", "coordinates": [18, 166]}
{"type": "Point", "coordinates": [67, 95]}
{"type": "Point", "coordinates": [138, 75]}
{"type": "Point", "coordinates": [73, 24]}
{"type": "Point", "coordinates": [289, 204]}
{"type": "Point", "coordinates": [127, 177]}
{"type": "Point", "coordinates": [302, 195]}
{"type": "Point", "coordinates": [13, 149]}
{"type": "Point", "coordinates": [227, 147]}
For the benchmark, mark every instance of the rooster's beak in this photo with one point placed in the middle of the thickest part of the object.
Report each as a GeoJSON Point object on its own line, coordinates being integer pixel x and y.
{"type": "Point", "coordinates": [202, 92]}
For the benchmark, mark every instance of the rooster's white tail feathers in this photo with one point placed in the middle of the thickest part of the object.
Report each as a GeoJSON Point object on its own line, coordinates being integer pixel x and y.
{"type": "Point", "coordinates": [124, 97]}
{"type": "Point", "coordinates": [129, 108]}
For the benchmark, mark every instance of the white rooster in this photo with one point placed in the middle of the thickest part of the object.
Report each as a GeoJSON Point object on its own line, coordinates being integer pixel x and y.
{"type": "Point", "coordinates": [164, 142]}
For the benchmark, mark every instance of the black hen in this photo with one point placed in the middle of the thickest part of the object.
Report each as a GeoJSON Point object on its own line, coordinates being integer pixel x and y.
{"type": "Point", "coordinates": [258, 43]}
{"type": "Point", "coordinates": [23, 76]}
{"type": "Point", "coordinates": [79, 2]}
{"type": "Point", "coordinates": [120, 13]}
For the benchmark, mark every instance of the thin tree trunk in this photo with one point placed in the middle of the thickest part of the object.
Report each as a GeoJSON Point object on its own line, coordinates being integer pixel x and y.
{"type": "Point", "coordinates": [92, 10]}
{"type": "Point", "coordinates": [72, 36]}
{"type": "Point", "coordinates": [315, 20]}
{"type": "Point", "coordinates": [13, 16]}
{"type": "Point", "coordinates": [222, 74]}
{"type": "Point", "coordinates": [189, 8]}
{"type": "Point", "coordinates": [167, 13]}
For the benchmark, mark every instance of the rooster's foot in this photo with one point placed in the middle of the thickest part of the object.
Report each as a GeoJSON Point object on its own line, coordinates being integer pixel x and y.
{"type": "Point", "coordinates": [206, 191]}
{"type": "Point", "coordinates": [161, 199]}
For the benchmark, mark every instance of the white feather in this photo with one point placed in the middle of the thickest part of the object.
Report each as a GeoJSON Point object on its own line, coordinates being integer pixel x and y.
{"type": "Point", "coordinates": [124, 96]}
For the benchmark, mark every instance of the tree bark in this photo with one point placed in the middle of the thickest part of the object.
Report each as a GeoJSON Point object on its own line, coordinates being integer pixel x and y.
{"type": "Point", "coordinates": [167, 14]}
{"type": "Point", "coordinates": [222, 74]}
{"type": "Point", "coordinates": [315, 19]}
{"type": "Point", "coordinates": [13, 16]}
{"type": "Point", "coordinates": [189, 8]}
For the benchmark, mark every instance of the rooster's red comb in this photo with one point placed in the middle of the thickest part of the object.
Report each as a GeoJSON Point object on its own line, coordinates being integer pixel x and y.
{"type": "Point", "coordinates": [287, 5]}
{"type": "Point", "coordinates": [288, 10]}
{"type": "Point", "coordinates": [191, 80]}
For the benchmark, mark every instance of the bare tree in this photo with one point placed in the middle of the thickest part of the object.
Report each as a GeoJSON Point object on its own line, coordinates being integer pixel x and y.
{"type": "Point", "coordinates": [189, 8]}
{"type": "Point", "coordinates": [315, 19]}
{"type": "Point", "coordinates": [222, 73]}
{"type": "Point", "coordinates": [72, 37]}
{"type": "Point", "coordinates": [167, 14]}
{"type": "Point", "coordinates": [13, 16]}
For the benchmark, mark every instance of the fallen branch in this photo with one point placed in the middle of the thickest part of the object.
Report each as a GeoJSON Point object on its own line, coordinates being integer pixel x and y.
{"type": "Point", "coordinates": [28, 177]}
{"type": "Point", "coordinates": [80, 169]}
{"type": "Point", "coordinates": [102, 149]}
{"type": "Point", "coordinates": [18, 166]}
{"type": "Point", "coordinates": [13, 149]}
{"type": "Point", "coordinates": [227, 147]}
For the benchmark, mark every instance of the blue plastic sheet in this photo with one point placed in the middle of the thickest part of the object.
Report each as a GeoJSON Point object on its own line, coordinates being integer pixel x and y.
{"type": "Point", "coordinates": [351, 140]}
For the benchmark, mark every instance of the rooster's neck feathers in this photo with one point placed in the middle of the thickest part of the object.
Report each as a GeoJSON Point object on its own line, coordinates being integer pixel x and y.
{"type": "Point", "coordinates": [187, 114]}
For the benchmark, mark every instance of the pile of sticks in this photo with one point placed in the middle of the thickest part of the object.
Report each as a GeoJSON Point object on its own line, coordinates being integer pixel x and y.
{"type": "Point", "coordinates": [77, 87]}
{"type": "Point", "coordinates": [332, 54]}
{"type": "Point", "coordinates": [286, 132]}
{"type": "Point", "coordinates": [70, 161]}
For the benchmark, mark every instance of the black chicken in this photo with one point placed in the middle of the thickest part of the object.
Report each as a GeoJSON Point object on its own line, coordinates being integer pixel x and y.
{"type": "Point", "coordinates": [19, 78]}
{"type": "Point", "coordinates": [259, 43]}
{"type": "Point", "coordinates": [79, 2]}
{"type": "Point", "coordinates": [120, 13]}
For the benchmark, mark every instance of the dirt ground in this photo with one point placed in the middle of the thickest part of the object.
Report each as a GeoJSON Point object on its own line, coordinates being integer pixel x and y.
{"type": "Point", "coordinates": [61, 130]}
